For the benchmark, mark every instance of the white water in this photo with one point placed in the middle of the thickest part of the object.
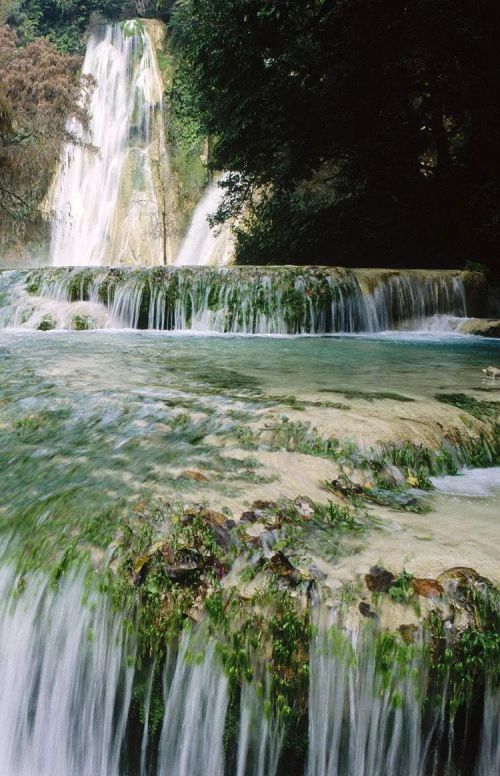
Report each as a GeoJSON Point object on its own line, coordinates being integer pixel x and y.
{"type": "Point", "coordinates": [62, 667]}
{"type": "Point", "coordinates": [237, 300]}
{"type": "Point", "coordinates": [105, 199]}
{"type": "Point", "coordinates": [356, 727]}
{"type": "Point", "coordinates": [66, 687]}
{"type": "Point", "coordinates": [204, 246]}
{"type": "Point", "coordinates": [472, 483]}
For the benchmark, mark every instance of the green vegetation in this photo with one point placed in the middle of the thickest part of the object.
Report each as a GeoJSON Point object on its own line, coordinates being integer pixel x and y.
{"type": "Point", "coordinates": [399, 166]}
{"type": "Point", "coordinates": [65, 22]}
{"type": "Point", "coordinates": [401, 589]}
{"type": "Point", "coordinates": [482, 410]}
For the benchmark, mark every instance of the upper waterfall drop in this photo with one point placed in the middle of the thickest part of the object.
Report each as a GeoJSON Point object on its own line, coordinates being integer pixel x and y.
{"type": "Point", "coordinates": [107, 199]}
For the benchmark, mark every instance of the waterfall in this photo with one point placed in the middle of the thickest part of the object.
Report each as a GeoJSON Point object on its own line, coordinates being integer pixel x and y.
{"type": "Point", "coordinates": [374, 717]}
{"type": "Point", "coordinates": [70, 686]}
{"type": "Point", "coordinates": [237, 300]}
{"type": "Point", "coordinates": [108, 199]}
{"type": "Point", "coordinates": [202, 245]}
{"type": "Point", "coordinates": [62, 667]}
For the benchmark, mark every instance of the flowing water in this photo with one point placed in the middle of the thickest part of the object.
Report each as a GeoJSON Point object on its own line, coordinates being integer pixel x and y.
{"type": "Point", "coordinates": [235, 300]}
{"type": "Point", "coordinates": [202, 245]}
{"type": "Point", "coordinates": [106, 203]}
{"type": "Point", "coordinates": [90, 420]}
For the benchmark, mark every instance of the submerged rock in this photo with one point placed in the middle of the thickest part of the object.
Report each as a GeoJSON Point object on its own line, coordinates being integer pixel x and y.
{"type": "Point", "coordinates": [195, 476]}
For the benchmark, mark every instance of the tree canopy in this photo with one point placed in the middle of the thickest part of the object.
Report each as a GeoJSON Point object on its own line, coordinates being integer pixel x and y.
{"type": "Point", "coordinates": [39, 88]}
{"type": "Point", "coordinates": [355, 130]}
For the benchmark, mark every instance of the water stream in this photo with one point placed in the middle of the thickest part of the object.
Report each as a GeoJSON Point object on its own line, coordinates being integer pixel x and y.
{"type": "Point", "coordinates": [235, 300]}
{"type": "Point", "coordinates": [106, 203]}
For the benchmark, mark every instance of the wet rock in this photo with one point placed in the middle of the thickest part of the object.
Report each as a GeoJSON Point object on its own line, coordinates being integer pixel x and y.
{"type": "Point", "coordinates": [366, 610]}
{"type": "Point", "coordinates": [248, 517]}
{"type": "Point", "coordinates": [255, 530]}
{"type": "Point", "coordinates": [281, 567]}
{"type": "Point", "coordinates": [408, 633]}
{"type": "Point", "coordinates": [379, 579]}
{"type": "Point", "coordinates": [336, 486]}
{"type": "Point", "coordinates": [185, 565]}
{"type": "Point", "coordinates": [428, 588]}
{"type": "Point", "coordinates": [458, 580]}
{"type": "Point", "coordinates": [194, 476]}
{"type": "Point", "coordinates": [260, 505]}
{"type": "Point", "coordinates": [482, 327]}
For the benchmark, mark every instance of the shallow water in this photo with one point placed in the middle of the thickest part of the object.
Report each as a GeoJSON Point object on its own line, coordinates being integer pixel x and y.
{"type": "Point", "coordinates": [89, 420]}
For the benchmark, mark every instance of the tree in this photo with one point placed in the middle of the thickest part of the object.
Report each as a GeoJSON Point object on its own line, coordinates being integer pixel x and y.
{"type": "Point", "coordinates": [354, 130]}
{"type": "Point", "coordinates": [40, 88]}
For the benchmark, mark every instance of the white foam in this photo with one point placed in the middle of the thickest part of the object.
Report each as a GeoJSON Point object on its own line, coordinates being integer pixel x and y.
{"type": "Point", "coordinates": [475, 483]}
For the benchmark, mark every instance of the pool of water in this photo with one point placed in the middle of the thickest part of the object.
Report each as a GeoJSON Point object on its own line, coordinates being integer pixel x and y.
{"type": "Point", "coordinates": [90, 420]}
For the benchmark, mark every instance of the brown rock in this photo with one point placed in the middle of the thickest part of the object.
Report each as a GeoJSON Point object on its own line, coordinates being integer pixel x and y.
{"type": "Point", "coordinates": [408, 633]}
{"type": "Point", "coordinates": [248, 517]}
{"type": "Point", "coordinates": [195, 476]}
{"type": "Point", "coordinates": [281, 566]}
{"type": "Point", "coordinates": [379, 579]}
{"type": "Point", "coordinates": [366, 610]}
{"type": "Point", "coordinates": [428, 588]}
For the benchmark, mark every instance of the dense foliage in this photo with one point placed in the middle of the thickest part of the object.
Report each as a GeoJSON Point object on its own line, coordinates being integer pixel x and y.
{"type": "Point", "coordinates": [39, 88]}
{"type": "Point", "coordinates": [360, 131]}
{"type": "Point", "coordinates": [65, 22]}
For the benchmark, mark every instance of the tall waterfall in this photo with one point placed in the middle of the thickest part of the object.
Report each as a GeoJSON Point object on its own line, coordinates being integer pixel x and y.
{"type": "Point", "coordinates": [109, 196]}
{"type": "Point", "coordinates": [238, 300]}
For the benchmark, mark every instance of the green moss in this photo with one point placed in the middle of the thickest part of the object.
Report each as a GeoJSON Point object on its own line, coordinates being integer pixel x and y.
{"type": "Point", "coordinates": [482, 410]}
{"type": "Point", "coordinates": [47, 323]}
{"type": "Point", "coordinates": [371, 395]}
{"type": "Point", "coordinates": [82, 322]}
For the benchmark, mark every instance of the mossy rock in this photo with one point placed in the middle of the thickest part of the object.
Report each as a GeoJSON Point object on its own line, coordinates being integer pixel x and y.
{"type": "Point", "coordinates": [47, 323]}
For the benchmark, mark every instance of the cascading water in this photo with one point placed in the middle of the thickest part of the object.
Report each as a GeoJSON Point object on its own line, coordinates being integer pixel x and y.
{"type": "Point", "coordinates": [238, 300]}
{"type": "Point", "coordinates": [204, 246]}
{"type": "Point", "coordinates": [105, 200]}
{"type": "Point", "coordinates": [69, 676]}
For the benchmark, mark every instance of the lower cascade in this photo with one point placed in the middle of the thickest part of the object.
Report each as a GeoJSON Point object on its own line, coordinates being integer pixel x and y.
{"type": "Point", "coordinates": [238, 300]}
{"type": "Point", "coordinates": [75, 699]}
